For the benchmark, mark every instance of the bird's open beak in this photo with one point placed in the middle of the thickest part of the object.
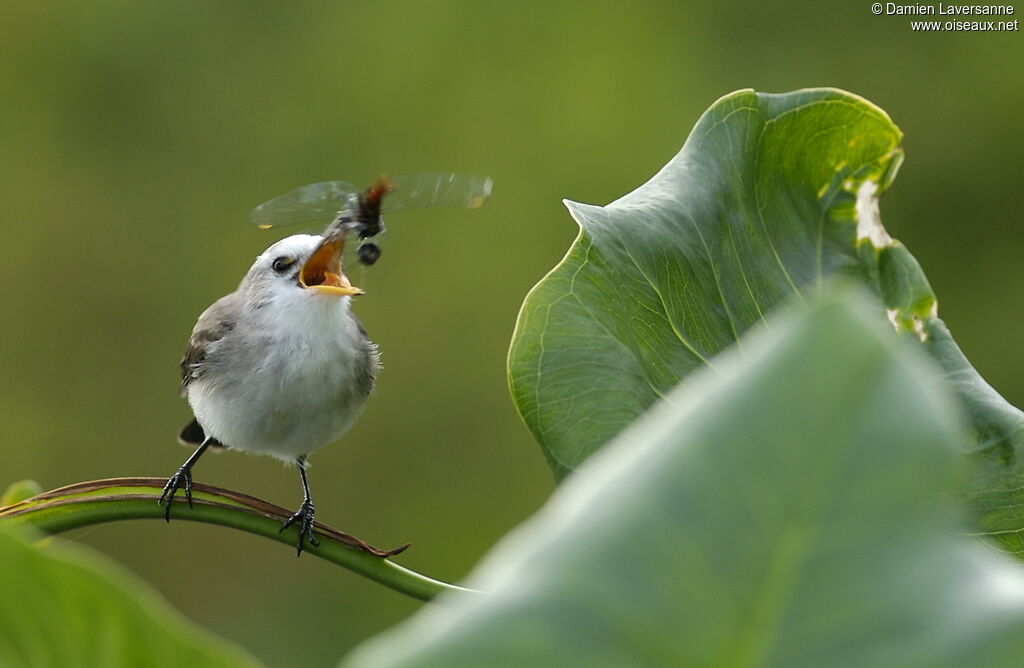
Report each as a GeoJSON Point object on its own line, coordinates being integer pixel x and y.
{"type": "Point", "coordinates": [322, 271]}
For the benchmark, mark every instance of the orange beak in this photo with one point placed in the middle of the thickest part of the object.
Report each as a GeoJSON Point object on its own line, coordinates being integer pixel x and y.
{"type": "Point", "coordinates": [322, 271]}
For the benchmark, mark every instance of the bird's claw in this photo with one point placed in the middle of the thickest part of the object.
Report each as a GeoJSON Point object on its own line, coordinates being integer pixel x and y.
{"type": "Point", "coordinates": [305, 516]}
{"type": "Point", "coordinates": [182, 477]}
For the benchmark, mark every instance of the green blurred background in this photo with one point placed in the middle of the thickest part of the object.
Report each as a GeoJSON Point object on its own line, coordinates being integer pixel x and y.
{"type": "Point", "coordinates": [136, 136]}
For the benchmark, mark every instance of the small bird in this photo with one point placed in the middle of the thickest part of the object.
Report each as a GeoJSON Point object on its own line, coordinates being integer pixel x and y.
{"type": "Point", "coordinates": [280, 367]}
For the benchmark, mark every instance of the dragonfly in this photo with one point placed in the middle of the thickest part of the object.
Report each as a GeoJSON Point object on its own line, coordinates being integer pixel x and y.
{"type": "Point", "coordinates": [346, 209]}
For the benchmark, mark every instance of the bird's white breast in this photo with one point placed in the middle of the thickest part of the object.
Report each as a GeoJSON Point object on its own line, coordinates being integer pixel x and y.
{"type": "Point", "coordinates": [287, 381]}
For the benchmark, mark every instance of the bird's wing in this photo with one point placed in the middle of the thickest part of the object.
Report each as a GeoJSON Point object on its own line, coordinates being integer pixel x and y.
{"type": "Point", "coordinates": [213, 325]}
{"type": "Point", "coordinates": [366, 372]}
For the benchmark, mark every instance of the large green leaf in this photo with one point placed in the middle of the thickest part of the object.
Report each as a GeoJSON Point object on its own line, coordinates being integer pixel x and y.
{"type": "Point", "coordinates": [780, 512]}
{"type": "Point", "coordinates": [770, 197]}
{"type": "Point", "coordinates": [65, 606]}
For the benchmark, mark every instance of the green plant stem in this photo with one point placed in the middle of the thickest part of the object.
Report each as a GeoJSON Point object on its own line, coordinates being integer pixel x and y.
{"type": "Point", "coordinates": [115, 499]}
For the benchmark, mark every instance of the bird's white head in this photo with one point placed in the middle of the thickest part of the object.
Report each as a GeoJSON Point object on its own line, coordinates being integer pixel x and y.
{"type": "Point", "coordinates": [298, 267]}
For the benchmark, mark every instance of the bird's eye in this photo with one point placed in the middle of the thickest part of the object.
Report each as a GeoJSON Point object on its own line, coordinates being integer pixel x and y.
{"type": "Point", "coordinates": [282, 264]}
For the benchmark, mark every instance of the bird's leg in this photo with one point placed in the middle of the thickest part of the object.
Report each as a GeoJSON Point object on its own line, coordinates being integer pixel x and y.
{"type": "Point", "coordinates": [182, 477]}
{"type": "Point", "coordinates": [304, 515]}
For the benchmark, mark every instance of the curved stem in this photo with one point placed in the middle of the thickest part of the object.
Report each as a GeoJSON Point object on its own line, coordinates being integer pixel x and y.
{"type": "Point", "coordinates": [115, 499]}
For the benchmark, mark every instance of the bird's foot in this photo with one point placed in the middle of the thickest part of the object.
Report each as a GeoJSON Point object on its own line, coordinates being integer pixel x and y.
{"type": "Point", "coordinates": [182, 478]}
{"type": "Point", "coordinates": [304, 516]}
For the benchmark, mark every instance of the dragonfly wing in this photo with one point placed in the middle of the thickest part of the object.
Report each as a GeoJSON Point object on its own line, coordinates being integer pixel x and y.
{"type": "Point", "coordinates": [444, 191]}
{"type": "Point", "coordinates": [314, 203]}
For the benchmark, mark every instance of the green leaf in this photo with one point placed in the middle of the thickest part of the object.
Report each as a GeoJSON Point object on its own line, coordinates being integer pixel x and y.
{"type": "Point", "coordinates": [115, 499]}
{"type": "Point", "coordinates": [770, 197]}
{"type": "Point", "coordinates": [779, 512]}
{"type": "Point", "coordinates": [757, 207]}
{"type": "Point", "coordinates": [66, 606]}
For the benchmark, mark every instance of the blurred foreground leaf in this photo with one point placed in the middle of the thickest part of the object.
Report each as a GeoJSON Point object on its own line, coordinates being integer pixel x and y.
{"type": "Point", "coordinates": [19, 491]}
{"type": "Point", "coordinates": [67, 606]}
{"type": "Point", "coordinates": [781, 512]}
{"type": "Point", "coordinates": [770, 197]}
